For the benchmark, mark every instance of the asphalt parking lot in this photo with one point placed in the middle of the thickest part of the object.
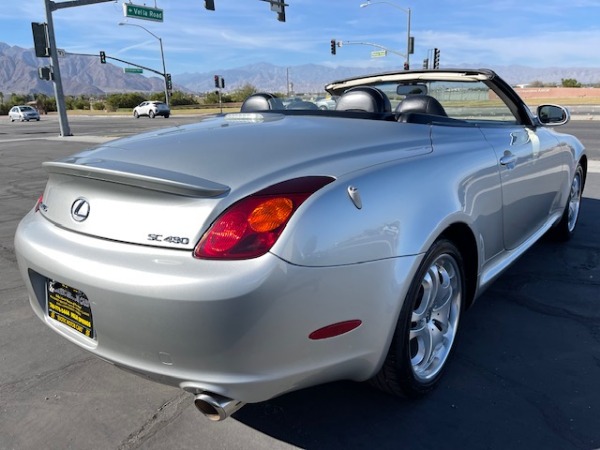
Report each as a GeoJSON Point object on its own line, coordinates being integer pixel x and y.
{"type": "Point", "coordinates": [525, 374]}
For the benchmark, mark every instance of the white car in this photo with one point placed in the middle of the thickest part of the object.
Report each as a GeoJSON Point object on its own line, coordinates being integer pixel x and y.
{"type": "Point", "coordinates": [22, 113]}
{"type": "Point", "coordinates": [325, 103]}
{"type": "Point", "coordinates": [151, 109]}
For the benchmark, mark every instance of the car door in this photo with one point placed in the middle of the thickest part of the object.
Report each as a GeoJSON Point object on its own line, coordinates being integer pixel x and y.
{"type": "Point", "coordinates": [532, 169]}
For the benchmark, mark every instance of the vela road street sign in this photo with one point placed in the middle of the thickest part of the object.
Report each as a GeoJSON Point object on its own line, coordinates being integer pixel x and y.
{"type": "Point", "coordinates": [133, 70]}
{"type": "Point", "coordinates": [378, 53]}
{"type": "Point", "coordinates": [142, 12]}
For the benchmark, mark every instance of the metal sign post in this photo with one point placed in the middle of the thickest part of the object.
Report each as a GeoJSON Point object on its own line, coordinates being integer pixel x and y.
{"type": "Point", "coordinates": [65, 130]}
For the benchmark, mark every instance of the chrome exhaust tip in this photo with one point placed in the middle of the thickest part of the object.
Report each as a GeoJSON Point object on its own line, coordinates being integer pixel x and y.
{"type": "Point", "coordinates": [216, 407]}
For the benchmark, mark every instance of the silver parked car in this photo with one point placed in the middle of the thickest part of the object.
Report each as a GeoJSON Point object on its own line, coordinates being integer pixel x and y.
{"type": "Point", "coordinates": [325, 102]}
{"type": "Point", "coordinates": [272, 249]}
{"type": "Point", "coordinates": [23, 113]}
{"type": "Point", "coordinates": [152, 109]}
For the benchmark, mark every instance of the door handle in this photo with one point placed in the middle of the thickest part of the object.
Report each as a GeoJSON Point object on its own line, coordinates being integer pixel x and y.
{"type": "Point", "coordinates": [509, 160]}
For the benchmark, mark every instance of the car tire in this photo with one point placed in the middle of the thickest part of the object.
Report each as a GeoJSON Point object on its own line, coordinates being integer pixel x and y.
{"type": "Point", "coordinates": [427, 326]}
{"type": "Point", "coordinates": [151, 114]}
{"type": "Point", "coordinates": [565, 229]}
{"type": "Point", "coordinates": [166, 116]}
{"type": "Point", "coordinates": [323, 108]}
{"type": "Point", "coordinates": [136, 115]}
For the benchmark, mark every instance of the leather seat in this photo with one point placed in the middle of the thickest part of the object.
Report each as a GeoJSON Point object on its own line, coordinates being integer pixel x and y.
{"type": "Point", "coordinates": [364, 99]}
{"type": "Point", "coordinates": [421, 103]}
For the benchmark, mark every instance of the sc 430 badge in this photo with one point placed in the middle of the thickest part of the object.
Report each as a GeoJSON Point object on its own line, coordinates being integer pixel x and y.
{"type": "Point", "coordinates": [170, 239]}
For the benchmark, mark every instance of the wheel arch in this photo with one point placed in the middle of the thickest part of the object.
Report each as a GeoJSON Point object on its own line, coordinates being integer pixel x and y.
{"type": "Point", "coordinates": [462, 236]}
{"type": "Point", "coordinates": [584, 165]}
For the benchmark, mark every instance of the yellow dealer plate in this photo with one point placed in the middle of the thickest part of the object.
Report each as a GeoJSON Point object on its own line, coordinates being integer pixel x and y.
{"type": "Point", "coordinates": [70, 307]}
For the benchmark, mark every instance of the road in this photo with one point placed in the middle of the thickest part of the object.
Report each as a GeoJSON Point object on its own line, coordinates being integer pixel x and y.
{"type": "Point", "coordinates": [525, 374]}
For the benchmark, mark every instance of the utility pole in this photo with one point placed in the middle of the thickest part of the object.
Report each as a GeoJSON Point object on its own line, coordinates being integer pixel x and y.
{"type": "Point", "coordinates": [58, 89]}
{"type": "Point", "coordinates": [65, 130]}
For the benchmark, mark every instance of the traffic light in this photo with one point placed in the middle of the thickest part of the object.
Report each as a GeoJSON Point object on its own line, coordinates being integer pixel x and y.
{"type": "Point", "coordinates": [436, 58]}
{"type": "Point", "coordinates": [406, 67]}
{"type": "Point", "coordinates": [102, 57]}
{"type": "Point", "coordinates": [209, 4]}
{"type": "Point", "coordinates": [278, 6]}
{"type": "Point", "coordinates": [426, 63]}
{"type": "Point", "coordinates": [169, 82]}
{"type": "Point", "coordinates": [45, 73]}
{"type": "Point", "coordinates": [333, 44]}
{"type": "Point", "coordinates": [219, 82]}
{"type": "Point", "coordinates": [40, 39]}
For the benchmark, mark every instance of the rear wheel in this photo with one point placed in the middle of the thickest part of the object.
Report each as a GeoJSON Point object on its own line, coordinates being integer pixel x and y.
{"type": "Point", "coordinates": [566, 227]}
{"type": "Point", "coordinates": [151, 114]}
{"type": "Point", "coordinates": [136, 115]}
{"type": "Point", "coordinates": [166, 116]}
{"type": "Point", "coordinates": [427, 326]}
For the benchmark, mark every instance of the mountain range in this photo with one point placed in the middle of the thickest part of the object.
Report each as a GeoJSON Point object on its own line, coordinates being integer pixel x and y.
{"type": "Point", "coordinates": [84, 74]}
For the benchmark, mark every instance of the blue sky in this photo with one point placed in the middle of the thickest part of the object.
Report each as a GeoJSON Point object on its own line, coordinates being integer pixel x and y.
{"type": "Point", "coordinates": [535, 33]}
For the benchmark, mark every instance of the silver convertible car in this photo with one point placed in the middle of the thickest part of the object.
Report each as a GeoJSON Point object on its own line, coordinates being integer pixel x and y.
{"type": "Point", "coordinates": [275, 249]}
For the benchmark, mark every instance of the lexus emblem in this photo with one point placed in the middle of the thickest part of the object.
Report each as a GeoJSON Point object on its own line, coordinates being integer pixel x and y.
{"type": "Point", "coordinates": [80, 210]}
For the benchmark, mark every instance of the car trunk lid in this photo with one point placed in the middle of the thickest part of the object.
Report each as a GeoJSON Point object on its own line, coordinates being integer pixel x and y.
{"type": "Point", "coordinates": [164, 188]}
{"type": "Point", "coordinates": [129, 202]}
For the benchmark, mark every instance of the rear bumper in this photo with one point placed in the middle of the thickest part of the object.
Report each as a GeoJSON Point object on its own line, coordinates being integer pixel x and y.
{"type": "Point", "coordinates": [236, 328]}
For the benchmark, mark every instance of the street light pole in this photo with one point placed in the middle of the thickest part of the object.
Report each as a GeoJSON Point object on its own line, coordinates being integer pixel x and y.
{"type": "Point", "coordinates": [407, 12]}
{"type": "Point", "coordinates": [162, 55]}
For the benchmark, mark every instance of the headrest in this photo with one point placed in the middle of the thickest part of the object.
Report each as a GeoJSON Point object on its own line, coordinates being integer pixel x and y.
{"type": "Point", "coordinates": [421, 103]}
{"type": "Point", "coordinates": [262, 101]}
{"type": "Point", "coordinates": [364, 99]}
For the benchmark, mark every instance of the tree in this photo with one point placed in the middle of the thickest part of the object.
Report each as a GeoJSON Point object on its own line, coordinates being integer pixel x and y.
{"type": "Point", "coordinates": [17, 99]}
{"type": "Point", "coordinates": [129, 100]}
{"type": "Point", "coordinates": [212, 98]}
{"type": "Point", "coordinates": [570, 82]}
{"type": "Point", "coordinates": [43, 103]}
{"type": "Point", "coordinates": [180, 98]}
{"type": "Point", "coordinates": [241, 94]}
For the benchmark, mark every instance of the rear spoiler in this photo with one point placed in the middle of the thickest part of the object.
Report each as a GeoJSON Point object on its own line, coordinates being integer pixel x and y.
{"type": "Point", "coordinates": [137, 175]}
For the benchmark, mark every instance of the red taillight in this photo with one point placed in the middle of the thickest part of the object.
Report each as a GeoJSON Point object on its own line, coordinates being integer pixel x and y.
{"type": "Point", "coordinates": [250, 227]}
{"type": "Point", "coordinates": [39, 202]}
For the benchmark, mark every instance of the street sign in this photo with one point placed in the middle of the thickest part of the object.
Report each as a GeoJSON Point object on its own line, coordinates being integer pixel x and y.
{"type": "Point", "coordinates": [378, 53]}
{"type": "Point", "coordinates": [133, 70]}
{"type": "Point", "coordinates": [142, 12]}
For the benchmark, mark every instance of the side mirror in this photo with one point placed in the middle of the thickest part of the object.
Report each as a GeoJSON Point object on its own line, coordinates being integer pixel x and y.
{"type": "Point", "coordinates": [553, 115]}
